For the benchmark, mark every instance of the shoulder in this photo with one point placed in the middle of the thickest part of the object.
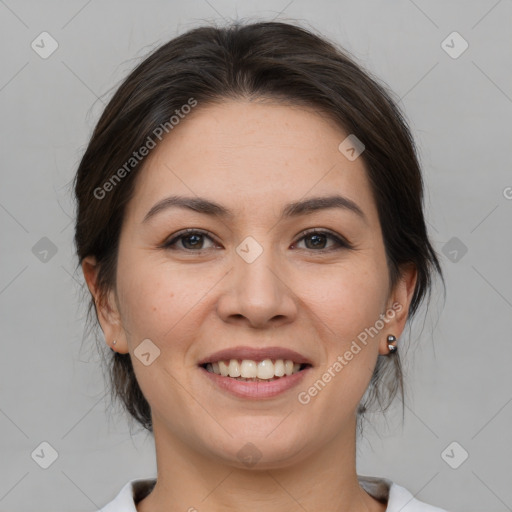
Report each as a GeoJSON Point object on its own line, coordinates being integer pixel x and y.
{"type": "Point", "coordinates": [398, 498]}
{"type": "Point", "coordinates": [132, 492]}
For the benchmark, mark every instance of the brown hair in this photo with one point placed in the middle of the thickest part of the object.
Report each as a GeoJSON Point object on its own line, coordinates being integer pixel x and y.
{"type": "Point", "coordinates": [259, 60]}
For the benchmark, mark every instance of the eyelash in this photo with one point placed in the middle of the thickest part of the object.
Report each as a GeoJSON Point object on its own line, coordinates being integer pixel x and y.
{"type": "Point", "coordinates": [342, 243]}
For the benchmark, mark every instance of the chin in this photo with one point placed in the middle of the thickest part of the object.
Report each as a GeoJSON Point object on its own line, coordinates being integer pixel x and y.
{"type": "Point", "coordinates": [260, 448]}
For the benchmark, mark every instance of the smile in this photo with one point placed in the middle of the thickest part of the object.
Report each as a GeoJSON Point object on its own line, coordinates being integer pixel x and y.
{"type": "Point", "coordinates": [255, 372]}
{"type": "Point", "coordinates": [248, 370]}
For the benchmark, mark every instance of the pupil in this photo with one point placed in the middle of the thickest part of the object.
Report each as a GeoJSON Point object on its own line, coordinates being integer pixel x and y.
{"type": "Point", "coordinates": [318, 238]}
{"type": "Point", "coordinates": [196, 243]}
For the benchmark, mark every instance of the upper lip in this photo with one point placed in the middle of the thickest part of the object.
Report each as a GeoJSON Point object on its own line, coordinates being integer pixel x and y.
{"type": "Point", "coordinates": [255, 354]}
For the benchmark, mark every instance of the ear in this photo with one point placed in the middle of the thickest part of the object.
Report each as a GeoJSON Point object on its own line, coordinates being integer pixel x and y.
{"type": "Point", "coordinates": [397, 309]}
{"type": "Point", "coordinates": [106, 308]}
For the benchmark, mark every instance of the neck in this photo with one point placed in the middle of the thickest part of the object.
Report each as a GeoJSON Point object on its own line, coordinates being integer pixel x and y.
{"type": "Point", "coordinates": [190, 481]}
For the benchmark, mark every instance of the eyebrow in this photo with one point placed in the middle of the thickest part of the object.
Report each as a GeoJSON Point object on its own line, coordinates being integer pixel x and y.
{"type": "Point", "coordinates": [294, 209]}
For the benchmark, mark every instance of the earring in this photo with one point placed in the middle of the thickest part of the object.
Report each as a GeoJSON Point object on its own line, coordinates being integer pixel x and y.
{"type": "Point", "coordinates": [391, 340]}
{"type": "Point", "coordinates": [114, 342]}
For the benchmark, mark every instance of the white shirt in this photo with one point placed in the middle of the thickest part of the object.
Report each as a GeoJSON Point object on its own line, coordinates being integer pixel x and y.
{"type": "Point", "coordinates": [398, 498]}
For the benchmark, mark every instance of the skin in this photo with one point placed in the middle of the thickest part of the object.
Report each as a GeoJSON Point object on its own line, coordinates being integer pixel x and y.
{"type": "Point", "coordinates": [252, 157]}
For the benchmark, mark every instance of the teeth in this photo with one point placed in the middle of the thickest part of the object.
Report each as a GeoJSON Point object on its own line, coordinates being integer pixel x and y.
{"type": "Point", "coordinates": [279, 368]}
{"type": "Point", "coordinates": [223, 368]}
{"type": "Point", "coordinates": [248, 369]}
{"type": "Point", "coordinates": [265, 369]}
{"type": "Point", "coordinates": [234, 368]}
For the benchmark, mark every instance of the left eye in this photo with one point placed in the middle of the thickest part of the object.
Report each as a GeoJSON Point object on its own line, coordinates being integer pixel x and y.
{"type": "Point", "coordinates": [318, 239]}
{"type": "Point", "coordinates": [193, 240]}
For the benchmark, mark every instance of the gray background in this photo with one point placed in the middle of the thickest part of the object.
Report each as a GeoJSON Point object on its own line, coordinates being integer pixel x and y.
{"type": "Point", "coordinates": [458, 367]}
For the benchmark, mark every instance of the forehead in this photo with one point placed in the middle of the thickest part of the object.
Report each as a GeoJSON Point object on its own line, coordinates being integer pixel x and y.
{"type": "Point", "coordinates": [246, 154]}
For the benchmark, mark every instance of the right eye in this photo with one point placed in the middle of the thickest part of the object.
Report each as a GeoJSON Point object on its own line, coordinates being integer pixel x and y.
{"type": "Point", "coordinates": [192, 237]}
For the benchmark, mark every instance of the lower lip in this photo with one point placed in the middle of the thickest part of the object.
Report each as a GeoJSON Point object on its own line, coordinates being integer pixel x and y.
{"type": "Point", "coordinates": [258, 389]}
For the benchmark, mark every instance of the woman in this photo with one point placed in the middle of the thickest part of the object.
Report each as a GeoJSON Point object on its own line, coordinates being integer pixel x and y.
{"type": "Point", "coordinates": [250, 227]}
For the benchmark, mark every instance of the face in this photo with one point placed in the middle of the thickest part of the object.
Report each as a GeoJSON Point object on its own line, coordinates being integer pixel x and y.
{"type": "Point", "coordinates": [258, 280]}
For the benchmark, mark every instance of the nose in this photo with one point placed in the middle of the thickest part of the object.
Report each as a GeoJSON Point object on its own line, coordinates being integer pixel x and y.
{"type": "Point", "coordinates": [258, 294]}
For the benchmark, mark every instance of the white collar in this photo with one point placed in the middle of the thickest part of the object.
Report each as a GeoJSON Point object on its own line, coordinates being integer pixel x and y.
{"type": "Point", "coordinates": [398, 498]}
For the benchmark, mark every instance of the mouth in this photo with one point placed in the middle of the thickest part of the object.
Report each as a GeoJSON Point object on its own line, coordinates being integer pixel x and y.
{"type": "Point", "coordinates": [249, 370]}
{"type": "Point", "coordinates": [255, 373]}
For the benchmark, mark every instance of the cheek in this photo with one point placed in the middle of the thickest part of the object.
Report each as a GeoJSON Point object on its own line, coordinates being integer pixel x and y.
{"type": "Point", "coordinates": [348, 298]}
{"type": "Point", "coordinates": [153, 298]}
{"type": "Point", "coordinates": [359, 297]}
{"type": "Point", "coordinates": [155, 302]}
